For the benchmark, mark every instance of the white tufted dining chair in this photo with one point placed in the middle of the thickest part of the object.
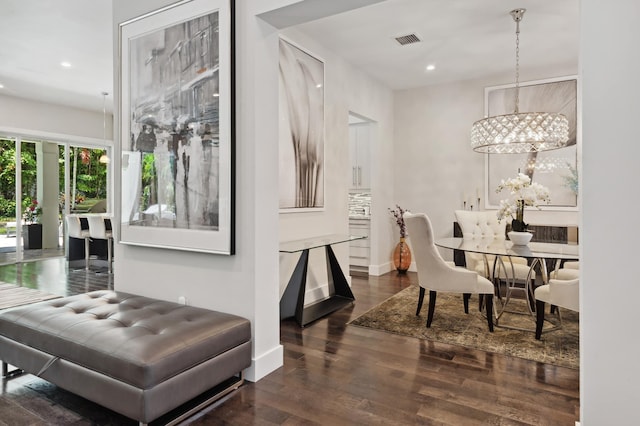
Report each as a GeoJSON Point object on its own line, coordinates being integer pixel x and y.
{"type": "Point", "coordinates": [484, 225]}
{"type": "Point", "coordinates": [438, 276]}
{"type": "Point", "coordinates": [74, 230]}
{"type": "Point", "coordinates": [563, 292]}
{"type": "Point", "coordinates": [565, 273]}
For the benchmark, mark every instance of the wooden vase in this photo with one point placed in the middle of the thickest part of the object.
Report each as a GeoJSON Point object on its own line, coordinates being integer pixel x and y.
{"type": "Point", "coordinates": [402, 256]}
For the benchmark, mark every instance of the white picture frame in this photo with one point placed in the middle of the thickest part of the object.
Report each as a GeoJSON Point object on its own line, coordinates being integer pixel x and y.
{"type": "Point", "coordinates": [176, 148]}
{"type": "Point", "coordinates": [555, 169]}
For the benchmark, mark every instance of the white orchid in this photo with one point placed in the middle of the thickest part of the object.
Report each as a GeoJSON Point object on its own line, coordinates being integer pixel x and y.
{"type": "Point", "coordinates": [522, 193]}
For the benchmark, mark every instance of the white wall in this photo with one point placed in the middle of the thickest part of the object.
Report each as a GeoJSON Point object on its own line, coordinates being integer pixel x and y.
{"type": "Point", "coordinates": [347, 89]}
{"type": "Point", "coordinates": [23, 117]}
{"type": "Point", "coordinates": [434, 163]}
{"type": "Point", "coordinates": [610, 371]}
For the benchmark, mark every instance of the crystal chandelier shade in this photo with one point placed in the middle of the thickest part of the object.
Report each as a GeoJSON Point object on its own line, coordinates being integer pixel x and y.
{"type": "Point", "coordinates": [520, 132]}
{"type": "Point", "coordinates": [545, 164]}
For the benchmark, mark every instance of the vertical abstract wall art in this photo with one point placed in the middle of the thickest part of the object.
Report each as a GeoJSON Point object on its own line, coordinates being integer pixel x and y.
{"type": "Point", "coordinates": [301, 148]}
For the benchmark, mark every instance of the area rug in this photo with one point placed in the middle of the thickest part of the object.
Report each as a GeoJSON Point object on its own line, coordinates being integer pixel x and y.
{"type": "Point", "coordinates": [12, 295]}
{"type": "Point", "coordinates": [451, 325]}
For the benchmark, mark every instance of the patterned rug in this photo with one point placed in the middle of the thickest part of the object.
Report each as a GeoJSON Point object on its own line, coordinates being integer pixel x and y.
{"type": "Point", "coordinates": [12, 295]}
{"type": "Point", "coordinates": [450, 325]}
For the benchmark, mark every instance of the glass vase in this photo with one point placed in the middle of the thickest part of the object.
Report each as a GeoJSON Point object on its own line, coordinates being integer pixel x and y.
{"type": "Point", "coordinates": [402, 256]}
{"type": "Point", "coordinates": [518, 224]}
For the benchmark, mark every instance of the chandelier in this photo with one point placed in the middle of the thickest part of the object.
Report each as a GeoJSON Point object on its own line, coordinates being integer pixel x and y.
{"type": "Point", "coordinates": [520, 132]}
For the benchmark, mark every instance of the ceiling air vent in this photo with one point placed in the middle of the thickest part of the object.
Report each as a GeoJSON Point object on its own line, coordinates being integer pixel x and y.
{"type": "Point", "coordinates": [408, 39]}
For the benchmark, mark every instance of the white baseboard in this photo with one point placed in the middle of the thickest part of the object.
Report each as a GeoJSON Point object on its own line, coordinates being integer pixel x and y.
{"type": "Point", "coordinates": [265, 364]}
{"type": "Point", "coordinates": [377, 270]}
{"type": "Point", "coordinates": [317, 293]}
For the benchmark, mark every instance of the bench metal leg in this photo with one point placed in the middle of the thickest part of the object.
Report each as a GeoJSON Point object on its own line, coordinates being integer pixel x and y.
{"type": "Point", "coordinates": [86, 252]}
{"type": "Point", "coordinates": [227, 390]}
{"type": "Point", "coordinates": [6, 374]}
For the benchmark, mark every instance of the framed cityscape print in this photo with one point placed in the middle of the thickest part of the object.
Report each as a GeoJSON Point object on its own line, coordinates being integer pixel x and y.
{"type": "Point", "coordinates": [177, 128]}
{"type": "Point", "coordinates": [301, 145]}
{"type": "Point", "coordinates": [556, 169]}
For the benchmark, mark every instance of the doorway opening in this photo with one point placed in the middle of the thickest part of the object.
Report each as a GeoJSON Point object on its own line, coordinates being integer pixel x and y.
{"type": "Point", "coordinates": [361, 133]}
{"type": "Point", "coordinates": [50, 179]}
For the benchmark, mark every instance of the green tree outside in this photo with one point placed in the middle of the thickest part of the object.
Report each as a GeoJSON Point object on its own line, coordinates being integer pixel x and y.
{"type": "Point", "coordinates": [90, 175]}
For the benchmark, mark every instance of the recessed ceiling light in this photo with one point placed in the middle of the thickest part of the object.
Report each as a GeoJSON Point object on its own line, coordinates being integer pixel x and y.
{"type": "Point", "coordinates": [65, 64]}
{"type": "Point", "coordinates": [1, 86]}
{"type": "Point", "coordinates": [431, 67]}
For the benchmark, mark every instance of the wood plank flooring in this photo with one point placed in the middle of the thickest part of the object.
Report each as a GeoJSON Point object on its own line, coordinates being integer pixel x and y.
{"type": "Point", "coordinates": [334, 374]}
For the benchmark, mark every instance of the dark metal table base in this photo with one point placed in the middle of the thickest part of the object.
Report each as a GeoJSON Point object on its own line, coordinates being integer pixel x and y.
{"type": "Point", "coordinates": [292, 302]}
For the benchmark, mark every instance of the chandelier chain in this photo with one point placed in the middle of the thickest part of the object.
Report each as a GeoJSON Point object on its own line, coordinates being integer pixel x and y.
{"type": "Point", "coordinates": [104, 116]}
{"type": "Point", "coordinates": [517, 65]}
{"type": "Point", "coordinates": [104, 158]}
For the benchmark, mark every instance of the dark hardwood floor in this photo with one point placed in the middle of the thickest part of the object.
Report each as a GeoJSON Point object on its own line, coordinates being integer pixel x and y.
{"type": "Point", "coordinates": [333, 374]}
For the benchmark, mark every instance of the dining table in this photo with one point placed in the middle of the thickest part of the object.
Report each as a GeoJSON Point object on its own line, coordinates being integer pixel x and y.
{"type": "Point", "coordinates": [540, 257]}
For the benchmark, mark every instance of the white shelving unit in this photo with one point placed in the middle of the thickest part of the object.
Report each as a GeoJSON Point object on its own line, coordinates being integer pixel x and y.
{"type": "Point", "coordinates": [359, 250]}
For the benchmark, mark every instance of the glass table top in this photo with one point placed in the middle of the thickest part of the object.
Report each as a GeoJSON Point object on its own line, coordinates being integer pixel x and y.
{"type": "Point", "coordinates": [315, 242]}
{"type": "Point", "coordinates": [507, 248]}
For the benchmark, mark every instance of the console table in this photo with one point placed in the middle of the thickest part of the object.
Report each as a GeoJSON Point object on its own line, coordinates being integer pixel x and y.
{"type": "Point", "coordinates": [340, 295]}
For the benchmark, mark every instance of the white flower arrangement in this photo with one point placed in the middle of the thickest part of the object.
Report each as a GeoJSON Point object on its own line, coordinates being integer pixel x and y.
{"type": "Point", "coordinates": [523, 193]}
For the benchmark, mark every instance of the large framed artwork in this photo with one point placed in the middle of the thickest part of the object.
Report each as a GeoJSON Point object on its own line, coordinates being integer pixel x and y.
{"type": "Point", "coordinates": [301, 146]}
{"type": "Point", "coordinates": [555, 169]}
{"type": "Point", "coordinates": [177, 128]}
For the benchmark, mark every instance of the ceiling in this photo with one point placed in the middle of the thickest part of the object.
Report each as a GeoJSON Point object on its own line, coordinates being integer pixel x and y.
{"type": "Point", "coordinates": [464, 39]}
{"type": "Point", "coordinates": [37, 35]}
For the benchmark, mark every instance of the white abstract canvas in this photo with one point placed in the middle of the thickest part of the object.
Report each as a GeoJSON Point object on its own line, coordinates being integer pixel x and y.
{"type": "Point", "coordinates": [301, 148]}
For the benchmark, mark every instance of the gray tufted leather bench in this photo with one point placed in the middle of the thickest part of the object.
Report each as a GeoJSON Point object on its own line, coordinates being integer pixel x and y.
{"type": "Point", "coordinates": [136, 355]}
